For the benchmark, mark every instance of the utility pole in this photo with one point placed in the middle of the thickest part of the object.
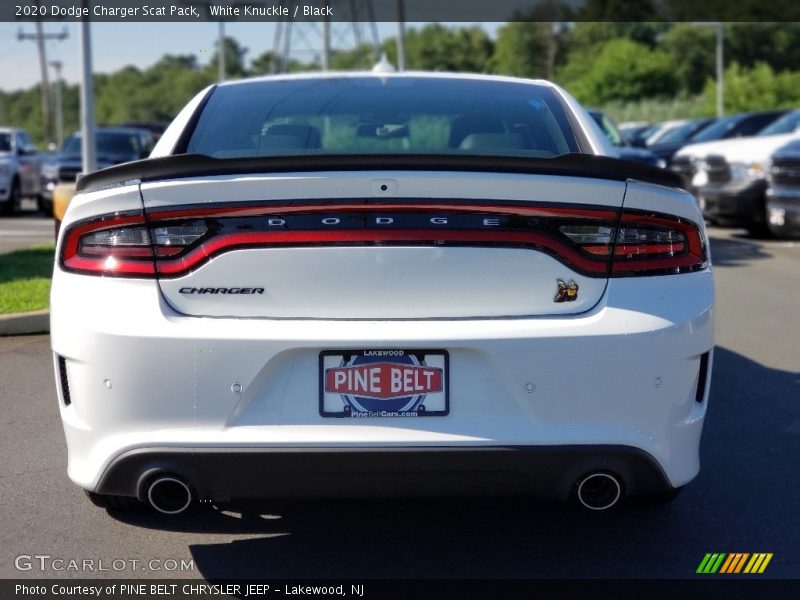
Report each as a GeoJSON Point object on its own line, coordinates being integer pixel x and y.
{"type": "Point", "coordinates": [720, 66]}
{"type": "Point", "coordinates": [326, 44]}
{"type": "Point", "coordinates": [57, 65]}
{"type": "Point", "coordinates": [401, 36]}
{"type": "Point", "coordinates": [221, 52]}
{"type": "Point", "coordinates": [39, 37]}
{"type": "Point", "coordinates": [720, 73]}
{"type": "Point", "coordinates": [88, 142]}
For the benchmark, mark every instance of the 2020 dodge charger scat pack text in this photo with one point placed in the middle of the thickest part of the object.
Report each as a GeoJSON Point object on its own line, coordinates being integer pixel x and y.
{"type": "Point", "coordinates": [394, 284]}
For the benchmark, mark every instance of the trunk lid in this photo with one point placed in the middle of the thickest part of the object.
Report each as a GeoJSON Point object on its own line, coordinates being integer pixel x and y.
{"type": "Point", "coordinates": [382, 245]}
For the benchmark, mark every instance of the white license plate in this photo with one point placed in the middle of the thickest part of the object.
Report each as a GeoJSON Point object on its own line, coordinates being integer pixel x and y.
{"type": "Point", "coordinates": [384, 383]}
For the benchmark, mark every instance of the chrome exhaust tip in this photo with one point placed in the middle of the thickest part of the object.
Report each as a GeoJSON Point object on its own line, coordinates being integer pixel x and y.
{"type": "Point", "coordinates": [599, 491]}
{"type": "Point", "coordinates": [169, 495]}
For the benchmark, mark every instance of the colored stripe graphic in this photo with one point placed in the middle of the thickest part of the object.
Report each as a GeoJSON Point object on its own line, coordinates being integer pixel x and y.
{"type": "Point", "coordinates": [732, 559]}
{"type": "Point", "coordinates": [734, 563]}
{"type": "Point", "coordinates": [741, 562]}
{"type": "Point", "coordinates": [703, 563]}
{"type": "Point", "coordinates": [711, 563]}
{"type": "Point", "coordinates": [758, 563]}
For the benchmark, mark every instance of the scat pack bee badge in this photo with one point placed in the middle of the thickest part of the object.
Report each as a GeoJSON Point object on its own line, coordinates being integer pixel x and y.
{"type": "Point", "coordinates": [566, 292]}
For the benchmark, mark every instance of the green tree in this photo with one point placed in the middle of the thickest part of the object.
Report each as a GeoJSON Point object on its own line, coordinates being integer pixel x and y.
{"type": "Point", "coordinates": [756, 88]}
{"type": "Point", "coordinates": [622, 70]}
{"type": "Point", "coordinates": [525, 49]}
{"type": "Point", "coordinates": [692, 52]}
{"type": "Point", "coordinates": [589, 35]}
{"type": "Point", "coordinates": [362, 57]}
{"type": "Point", "coordinates": [439, 48]}
{"type": "Point", "coordinates": [234, 59]}
{"type": "Point", "coordinates": [263, 64]}
{"type": "Point", "coordinates": [776, 44]}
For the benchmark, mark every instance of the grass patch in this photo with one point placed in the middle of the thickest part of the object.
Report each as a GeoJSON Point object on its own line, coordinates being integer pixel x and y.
{"type": "Point", "coordinates": [25, 279]}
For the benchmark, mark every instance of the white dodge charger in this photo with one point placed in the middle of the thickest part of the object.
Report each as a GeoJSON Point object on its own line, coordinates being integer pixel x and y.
{"type": "Point", "coordinates": [371, 283]}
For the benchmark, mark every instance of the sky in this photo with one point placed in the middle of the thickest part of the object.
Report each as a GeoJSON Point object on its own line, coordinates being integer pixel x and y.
{"type": "Point", "coordinates": [116, 45]}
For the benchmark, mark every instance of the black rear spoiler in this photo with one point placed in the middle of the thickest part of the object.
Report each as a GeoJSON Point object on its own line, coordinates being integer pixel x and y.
{"type": "Point", "coordinates": [199, 165]}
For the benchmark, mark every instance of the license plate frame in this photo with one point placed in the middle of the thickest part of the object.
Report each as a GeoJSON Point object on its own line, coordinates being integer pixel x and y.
{"type": "Point", "coordinates": [418, 367]}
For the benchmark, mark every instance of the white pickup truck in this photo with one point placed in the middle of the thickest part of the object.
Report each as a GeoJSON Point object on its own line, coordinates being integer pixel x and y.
{"type": "Point", "coordinates": [19, 168]}
{"type": "Point", "coordinates": [730, 175]}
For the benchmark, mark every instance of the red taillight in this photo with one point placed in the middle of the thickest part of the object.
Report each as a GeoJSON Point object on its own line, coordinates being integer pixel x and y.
{"type": "Point", "coordinates": [656, 244]}
{"type": "Point", "coordinates": [123, 245]}
{"type": "Point", "coordinates": [595, 242]}
{"type": "Point", "coordinates": [643, 244]}
{"type": "Point", "coordinates": [111, 245]}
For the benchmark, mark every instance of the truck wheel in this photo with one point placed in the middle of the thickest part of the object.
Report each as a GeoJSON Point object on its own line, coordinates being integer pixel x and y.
{"type": "Point", "coordinates": [758, 226]}
{"type": "Point", "coordinates": [44, 205]}
{"type": "Point", "coordinates": [14, 203]}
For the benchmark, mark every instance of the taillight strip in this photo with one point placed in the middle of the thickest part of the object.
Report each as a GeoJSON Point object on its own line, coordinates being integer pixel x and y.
{"type": "Point", "coordinates": [233, 241]}
{"type": "Point", "coordinates": [278, 209]}
{"type": "Point", "coordinates": [557, 234]}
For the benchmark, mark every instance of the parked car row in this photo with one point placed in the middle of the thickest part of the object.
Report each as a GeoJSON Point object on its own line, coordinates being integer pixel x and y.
{"type": "Point", "coordinates": [752, 182]}
{"type": "Point", "coordinates": [19, 168]}
{"type": "Point", "coordinates": [744, 169]}
{"type": "Point", "coordinates": [657, 143]}
{"type": "Point", "coordinates": [115, 145]}
{"type": "Point", "coordinates": [25, 172]}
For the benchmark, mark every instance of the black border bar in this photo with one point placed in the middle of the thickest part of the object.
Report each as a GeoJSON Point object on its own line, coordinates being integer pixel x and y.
{"type": "Point", "coordinates": [465, 11]}
{"type": "Point", "coordinates": [709, 586]}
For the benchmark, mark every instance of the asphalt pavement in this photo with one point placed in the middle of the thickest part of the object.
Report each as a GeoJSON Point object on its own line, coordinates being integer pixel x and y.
{"type": "Point", "coordinates": [25, 229]}
{"type": "Point", "coordinates": [745, 499]}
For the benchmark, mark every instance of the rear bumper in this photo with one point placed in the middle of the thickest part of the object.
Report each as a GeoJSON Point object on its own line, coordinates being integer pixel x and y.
{"type": "Point", "coordinates": [234, 473]}
{"type": "Point", "coordinates": [783, 210]}
{"type": "Point", "coordinates": [624, 374]}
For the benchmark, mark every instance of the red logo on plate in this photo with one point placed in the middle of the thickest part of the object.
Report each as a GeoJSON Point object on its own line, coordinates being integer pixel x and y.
{"type": "Point", "coordinates": [383, 380]}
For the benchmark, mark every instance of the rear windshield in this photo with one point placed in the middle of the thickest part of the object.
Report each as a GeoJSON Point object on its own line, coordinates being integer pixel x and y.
{"type": "Point", "coordinates": [382, 115]}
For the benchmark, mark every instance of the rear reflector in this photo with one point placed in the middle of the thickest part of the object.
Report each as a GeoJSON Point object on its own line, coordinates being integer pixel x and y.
{"type": "Point", "coordinates": [702, 376]}
{"type": "Point", "coordinates": [593, 241]}
{"type": "Point", "coordinates": [64, 380]}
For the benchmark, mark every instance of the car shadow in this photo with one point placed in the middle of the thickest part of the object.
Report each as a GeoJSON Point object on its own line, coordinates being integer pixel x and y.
{"type": "Point", "coordinates": [727, 252]}
{"type": "Point", "coordinates": [744, 500]}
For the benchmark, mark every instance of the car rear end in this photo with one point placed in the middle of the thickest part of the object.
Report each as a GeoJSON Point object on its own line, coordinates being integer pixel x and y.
{"type": "Point", "coordinates": [733, 193]}
{"type": "Point", "coordinates": [783, 193]}
{"type": "Point", "coordinates": [502, 315]}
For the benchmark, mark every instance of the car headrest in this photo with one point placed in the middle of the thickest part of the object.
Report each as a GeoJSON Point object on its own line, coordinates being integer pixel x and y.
{"type": "Point", "coordinates": [290, 137]}
{"type": "Point", "coordinates": [493, 141]}
{"type": "Point", "coordinates": [461, 127]}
